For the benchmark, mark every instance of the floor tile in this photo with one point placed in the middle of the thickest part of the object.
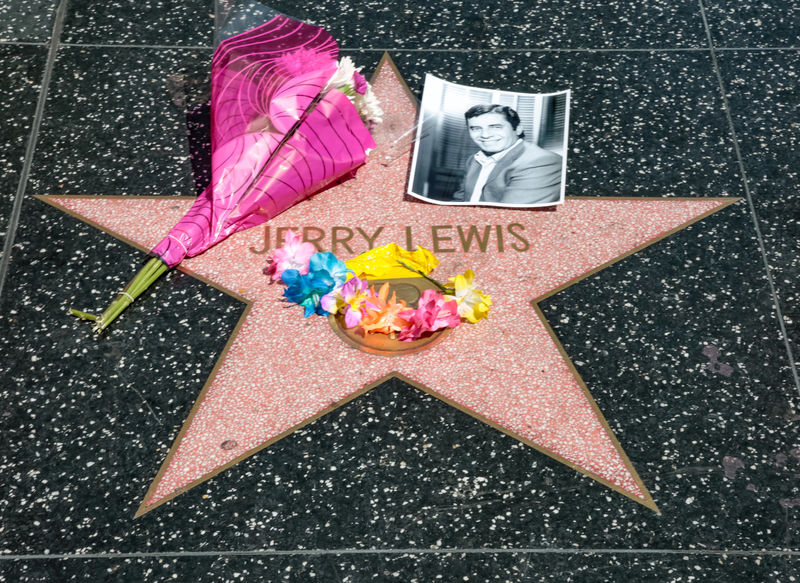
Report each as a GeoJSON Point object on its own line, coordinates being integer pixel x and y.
{"type": "Point", "coordinates": [563, 567]}
{"type": "Point", "coordinates": [328, 567]}
{"type": "Point", "coordinates": [456, 24]}
{"type": "Point", "coordinates": [151, 22]}
{"type": "Point", "coordinates": [123, 121]}
{"type": "Point", "coordinates": [86, 409]}
{"type": "Point", "coordinates": [136, 569]}
{"type": "Point", "coordinates": [27, 20]}
{"type": "Point", "coordinates": [479, 567]}
{"type": "Point", "coordinates": [779, 220]}
{"type": "Point", "coordinates": [658, 568]}
{"type": "Point", "coordinates": [642, 124]}
{"type": "Point", "coordinates": [763, 94]}
{"type": "Point", "coordinates": [769, 23]}
{"type": "Point", "coordinates": [634, 145]}
{"type": "Point", "coordinates": [680, 344]}
{"type": "Point", "coordinates": [395, 467]}
{"type": "Point", "coordinates": [22, 67]}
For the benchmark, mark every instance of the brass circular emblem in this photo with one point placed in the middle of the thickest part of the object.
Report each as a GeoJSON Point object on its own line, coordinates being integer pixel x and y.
{"type": "Point", "coordinates": [408, 289]}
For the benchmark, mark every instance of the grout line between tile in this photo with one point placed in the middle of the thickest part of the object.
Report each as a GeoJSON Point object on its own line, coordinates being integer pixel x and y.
{"type": "Point", "coordinates": [527, 566]}
{"type": "Point", "coordinates": [433, 50]}
{"type": "Point", "coordinates": [748, 195]}
{"type": "Point", "coordinates": [135, 46]}
{"type": "Point", "coordinates": [409, 551]}
{"type": "Point", "coordinates": [26, 43]}
{"type": "Point", "coordinates": [532, 50]}
{"type": "Point", "coordinates": [415, 50]}
{"type": "Point", "coordinates": [217, 23]}
{"type": "Point", "coordinates": [16, 209]}
{"type": "Point", "coordinates": [754, 49]}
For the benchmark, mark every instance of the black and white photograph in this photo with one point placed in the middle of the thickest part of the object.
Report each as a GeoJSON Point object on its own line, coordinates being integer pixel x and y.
{"type": "Point", "coordinates": [488, 147]}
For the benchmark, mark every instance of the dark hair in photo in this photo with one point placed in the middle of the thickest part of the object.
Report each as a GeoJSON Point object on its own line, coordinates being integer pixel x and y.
{"type": "Point", "coordinates": [480, 109]}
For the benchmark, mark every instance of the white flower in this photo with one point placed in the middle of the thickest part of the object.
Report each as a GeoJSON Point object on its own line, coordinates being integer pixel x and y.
{"type": "Point", "coordinates": [368, 107]}
{"type": "Point", "coordinates": [366, 104]}
{"type": "Point", "coordinates": [344, 74]}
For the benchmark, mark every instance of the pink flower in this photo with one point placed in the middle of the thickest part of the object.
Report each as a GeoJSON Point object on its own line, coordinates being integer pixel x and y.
{"type": "Point", "coordinates": [351, 298]}
{"type": "Point", "coordinates": [433, 313]}
{"type": "Point", "coordinates": [295, 254]}
{"type": "Point", "coordinates": [355, 296]}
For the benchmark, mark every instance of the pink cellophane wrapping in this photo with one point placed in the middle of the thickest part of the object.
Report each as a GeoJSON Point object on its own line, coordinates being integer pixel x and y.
{"type": "Point", "coordinates": [262, 82]}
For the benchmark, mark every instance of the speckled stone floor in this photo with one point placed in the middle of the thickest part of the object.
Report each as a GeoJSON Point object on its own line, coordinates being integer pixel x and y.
{"type": "Point", "coordinates": [689, 346]}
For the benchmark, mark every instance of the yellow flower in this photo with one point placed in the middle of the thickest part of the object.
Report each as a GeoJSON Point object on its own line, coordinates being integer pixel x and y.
{"type": "Point", "coordinates": [473, 304]}
{"type": "Point", "coordinates": [384, 262]}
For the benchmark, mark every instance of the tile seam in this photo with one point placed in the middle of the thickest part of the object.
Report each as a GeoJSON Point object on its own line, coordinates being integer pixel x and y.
{"type": "Point", "coordinates": [452, 50]}
{"type": "Point", "coordinates": [408, 551]}
{"type": "Point", "coordinates": [421, 49]}
{"type": "Point", "coordinates": [24, 43]}
{"type": "Point", "coordinates": [136, 46]}
{"type": "Point", "coordinates": [435, 50]}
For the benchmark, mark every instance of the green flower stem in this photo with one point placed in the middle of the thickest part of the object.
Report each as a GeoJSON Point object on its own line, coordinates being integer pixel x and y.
{"type": "Point", "coordinates": [446, 290]}
{"type": "Point", "coordinates": [152, 270]}
{"type": "Point", "coordinates": [82, 315]}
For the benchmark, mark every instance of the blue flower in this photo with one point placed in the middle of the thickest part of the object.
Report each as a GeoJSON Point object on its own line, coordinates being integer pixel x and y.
{"type": "Point", "coordinates": [307, 290]}
{"type": "Point", "coordinates": [327, 262]}
{"type": "Point", "coordinates": [325, 274]}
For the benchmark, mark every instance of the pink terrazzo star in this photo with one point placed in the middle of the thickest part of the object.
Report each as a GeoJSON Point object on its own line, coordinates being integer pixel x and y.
{"type": "Point", "coordinates": [509, 371]}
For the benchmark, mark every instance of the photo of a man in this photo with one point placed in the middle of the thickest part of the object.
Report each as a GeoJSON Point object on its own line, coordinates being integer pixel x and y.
{"type": "Point", "coordinates": [480, 146]}
{"type": "Point", "coordinates": [507, 169]}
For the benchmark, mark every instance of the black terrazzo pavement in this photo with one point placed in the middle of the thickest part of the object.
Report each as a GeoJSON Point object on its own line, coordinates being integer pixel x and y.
{"type": "Point", "coordinates": [396, 485]}
{"type": "Point", "coordinates": [515, 24]}
{"type": "Point", "coordinates": [22, 66]}
{"type": "Point", "coordinates": [767, 23]}
{"type": "Point", "coordinates": [148, 22]}
{"type": "Point", "coordinates": [413, 568]}
{"type": "Point", "coordinates": [764, 94]}
{"type": "Point", "coordinates": [28, 21]}
{"type": "Point", "coordinates": [109, 129]}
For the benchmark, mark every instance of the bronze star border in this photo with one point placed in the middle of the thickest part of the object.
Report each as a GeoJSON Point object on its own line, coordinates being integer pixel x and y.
{"type": "Point", "coordinates": [101, 219]}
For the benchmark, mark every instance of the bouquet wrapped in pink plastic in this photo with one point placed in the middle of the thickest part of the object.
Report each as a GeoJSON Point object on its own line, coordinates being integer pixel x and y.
{"type": "Point", "coordinates": [287, 120]}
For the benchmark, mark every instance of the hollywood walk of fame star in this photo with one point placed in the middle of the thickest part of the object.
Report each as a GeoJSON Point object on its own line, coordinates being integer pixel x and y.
{"type": "Point", "coordinates": [509, 371]}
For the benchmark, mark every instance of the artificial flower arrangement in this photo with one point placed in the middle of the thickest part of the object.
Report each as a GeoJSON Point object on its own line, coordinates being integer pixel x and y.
{"type": "Point", "coordinates": [287, 120]}
{"type": "Point", "coordinates": [324, 284]}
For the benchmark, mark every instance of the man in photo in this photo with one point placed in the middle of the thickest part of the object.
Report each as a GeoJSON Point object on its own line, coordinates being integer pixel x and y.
{"type": "Point", "coordinates": [507, 169]}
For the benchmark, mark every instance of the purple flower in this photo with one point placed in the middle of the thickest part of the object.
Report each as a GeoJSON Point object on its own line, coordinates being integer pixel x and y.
{"type": "Point", "coordinates": [359, 83]}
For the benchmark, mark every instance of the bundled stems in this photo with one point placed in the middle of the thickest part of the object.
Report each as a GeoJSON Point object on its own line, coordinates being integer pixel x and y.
{"type": "Point", "coordinates": [152, 270]}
